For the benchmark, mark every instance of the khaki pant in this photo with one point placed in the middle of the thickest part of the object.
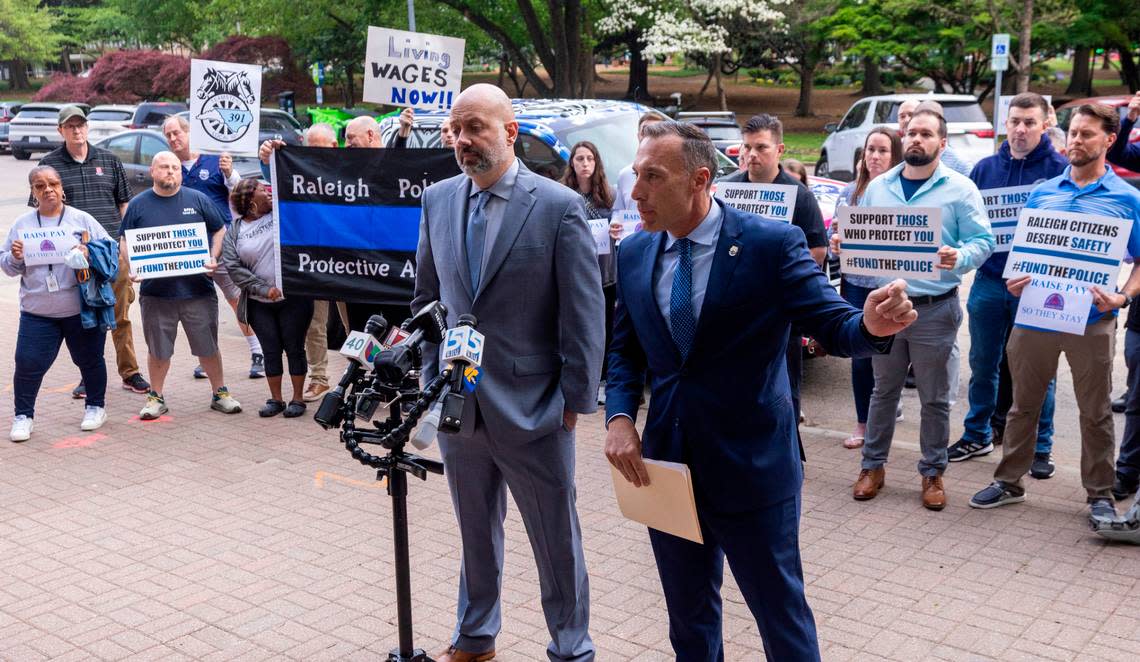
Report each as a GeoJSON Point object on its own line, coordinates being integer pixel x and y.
{"type": "Point", "coordinates": [122, 337]}
{"type": "Point", "coordinates": [1033, 357]}
{"type": "Point", "coordinates": [316, 340]}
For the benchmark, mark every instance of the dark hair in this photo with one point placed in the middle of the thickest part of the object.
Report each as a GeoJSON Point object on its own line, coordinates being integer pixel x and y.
{"type": "Point", "coordinates": [241, 198]}
{"type": "Point", "coordinates": [648, 117]}
{"type": "Point", "coordinates": [1031, 100]}
{"type": "Point", "coordinates": [697, 151]}
{"type": "Point", "coordinates": [765, 122]}
{"type": "Point", "coordinates": [1109, 120]}
{"type": "Point", "coordinates": [863, 176]}
{"type": "Point", "coordinates": [935, 115]}
{"type": "Point", "coordinates": [796, 167]}
{"type": "Point", "coordinates": [599, 187]}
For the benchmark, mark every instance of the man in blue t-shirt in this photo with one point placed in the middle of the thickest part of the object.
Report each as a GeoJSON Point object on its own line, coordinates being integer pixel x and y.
{"type": "Point", "coordinates": [189, 300]}
{"type": "Point", "coordinates": [1087, 186]}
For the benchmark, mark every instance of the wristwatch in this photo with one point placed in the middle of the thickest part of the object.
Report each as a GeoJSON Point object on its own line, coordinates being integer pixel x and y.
{"type": "Point", "coordinates": [1127, 300]}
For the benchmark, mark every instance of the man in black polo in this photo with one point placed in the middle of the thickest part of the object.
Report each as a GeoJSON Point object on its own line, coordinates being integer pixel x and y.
{"type": "Point", "coordinates": [94, 181]}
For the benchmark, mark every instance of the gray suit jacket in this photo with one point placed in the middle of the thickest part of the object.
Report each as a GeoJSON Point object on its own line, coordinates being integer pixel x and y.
{"type": "Point", "coordinates": [539, 303]}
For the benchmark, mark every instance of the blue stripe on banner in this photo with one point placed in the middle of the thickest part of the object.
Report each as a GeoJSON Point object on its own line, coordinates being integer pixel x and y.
{"type": "Point", "coordinates": [1003, 224]}
{"type": "Point", "coordinates": [892, 249]}
{"type": "Point", "coordinates": [349, 226]}
{"type": "Point", "coordinates": [160, 256]}
{"type": "Point", "coordinates": [1068, 256]}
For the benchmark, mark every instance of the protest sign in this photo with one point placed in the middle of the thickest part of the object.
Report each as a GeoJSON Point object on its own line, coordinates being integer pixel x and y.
{"type": "Point", "coordinates": [894, 242]}
{"type": "Point", "coordinates": [47, 245]}
{"type": "Point", "coordinates": [1054, 306]}
{"type": "Point", "coordinates": [225, 107]}
{"type": "Point", "coordinates": [412, 69]}
{"type": "Point", "coordinates": [600, 228]}
{"type": "Point", "coordinates": [1003, 206]}
{"type": "Point", "coordinates": [349, 220]}
{"type": "Point", "coordinates": [1083, 249]}
{"type": "Point", "coordinates": [630, 220]}
{"type": "Point", "coordinates": [168, 250]}
{"type": "Point", "coordinates": [775, 202]}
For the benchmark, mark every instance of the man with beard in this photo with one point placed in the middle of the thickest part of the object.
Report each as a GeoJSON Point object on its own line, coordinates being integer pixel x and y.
{"type": "Point", "coordinates": [1087, 186]}
{"type": "Point", "coordinates": [513, 249]}
{"type": "Point", "coordinates": [949, 157]}
{"type": "Point", "coordinates": [930, 344]}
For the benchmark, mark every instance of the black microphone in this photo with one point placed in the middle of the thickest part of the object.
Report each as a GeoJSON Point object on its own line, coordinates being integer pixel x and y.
{"type": "Point", "coordinates": [329, 414]}
{"type": "Point", "coordinates": [429, 324]}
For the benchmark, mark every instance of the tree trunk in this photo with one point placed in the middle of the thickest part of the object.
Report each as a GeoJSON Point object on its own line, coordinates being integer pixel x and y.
{"type": "Point", "coordinates": [872, 77]}
{"type": "Point", "coordinates": [1128, 70]}
{"type": "Point", "coordinates": [65, 60]}
{"type": "Point", "coordinates": [1025, 56]}
{"type": "Point", "coordinates": [349, 86]}
{"type": "Point", "coordinates": [708, 79]}
{"type": "Point", "coordinates": [1105, 64]}
{"type": "Point", "coordinates": [719, 86]}
{"type": "Point", "coordinates": [18, 75]}
{"type": "Point", "coordinates": [1080, 84]}
{"type": "Point", "coordinates": [638, 88]}
{"type": "Point", "coordinates": [807, 85]}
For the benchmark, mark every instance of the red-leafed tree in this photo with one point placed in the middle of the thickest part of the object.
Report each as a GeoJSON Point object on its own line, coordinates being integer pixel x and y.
{"type": "Point", "coordinates": [125, 77]}
{"type": "Point", "coordinates": [279, 68]}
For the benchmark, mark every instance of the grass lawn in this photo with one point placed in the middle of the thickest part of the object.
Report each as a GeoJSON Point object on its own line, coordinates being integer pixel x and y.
{"type": "Point", "coordinates": [666, 73]}
{"type": "Point", "coordinates": [803, 146]}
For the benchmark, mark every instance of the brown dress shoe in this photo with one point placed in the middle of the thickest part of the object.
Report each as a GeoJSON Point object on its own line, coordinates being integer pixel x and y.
{"type": "Point", "coordinates": [933, 494]}
{"type": "Point", "coordinates": [869, 483]}
{"type": "Point", "coordinates": [453, 654]}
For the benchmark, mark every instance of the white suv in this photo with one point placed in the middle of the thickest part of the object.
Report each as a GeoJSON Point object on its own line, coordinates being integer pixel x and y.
{"type": "Point", "coordinates": [970, 133]}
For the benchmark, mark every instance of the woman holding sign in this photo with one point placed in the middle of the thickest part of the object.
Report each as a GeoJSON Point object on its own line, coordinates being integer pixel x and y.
{"type": "Point", "coordinates": [250, 256]}
{"type": "Point", "coordinates": [586, 175]}
{"type": "Point", "coordinates": [37, 251]}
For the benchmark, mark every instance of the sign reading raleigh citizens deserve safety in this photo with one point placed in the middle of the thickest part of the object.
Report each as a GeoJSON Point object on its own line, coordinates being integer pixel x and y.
{"type": "Point", "coordinates": [1003, 206]}
{"type": "Point", "coordinates": [894, 242]}
{"type": "Point", "coordinates": [412, 69]}
{"type": "Point", "coordinates": [1083, 249]}
{"type": "Point", "coordinates": [168, 250]}
{"type": "Point", "coordinates": [349, 220]}
{"type": "Point", "coordinates": [47, 245]}
{"type": "Point", "coordinates": [775, 202]}
{"type": "Point", "coordinates": [225, 107]}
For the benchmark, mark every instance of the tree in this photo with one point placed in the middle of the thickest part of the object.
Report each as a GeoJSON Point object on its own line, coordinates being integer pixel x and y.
{"type": "Point", "coordinates": [801, 40]}
{"type": "Point", "coordinates": [27, 34]}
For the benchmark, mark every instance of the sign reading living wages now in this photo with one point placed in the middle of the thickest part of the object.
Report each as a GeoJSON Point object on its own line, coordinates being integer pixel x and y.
{"type": "Point", "coordinates": [225, 107]}
{"type": "Point", "coordinates": [1003, 206]}
{"type": "Point", "coordinates": [47, 245]}
{"type": "Point", "coordinates": [412, 69]}
{"type": "Point", "coordinates": [1083, 249]}
{"type": "Point", "coordinates": [894, 242]}
{"type": "Point", "coordinates": [776, 202]}
{"type": "Point", "coordinates": [168, 250]}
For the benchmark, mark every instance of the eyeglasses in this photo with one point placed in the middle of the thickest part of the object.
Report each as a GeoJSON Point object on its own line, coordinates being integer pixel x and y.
{"type": "Point", "coordinates": [40, 187]}
{"type": "Point", "coordinates": [74, 126]}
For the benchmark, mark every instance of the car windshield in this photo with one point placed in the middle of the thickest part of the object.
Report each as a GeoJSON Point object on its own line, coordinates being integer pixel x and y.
{"type": "Point", "coordinates": [110, 116]}
{"type": "Point", "coordinates": [615, 136]}
{"type": "Point", "coordinates": [955, 111]}
{"type": "Point", "coordinates": [722, 132]}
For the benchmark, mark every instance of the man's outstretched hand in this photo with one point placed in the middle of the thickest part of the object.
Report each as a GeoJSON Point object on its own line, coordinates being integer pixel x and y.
{"type": "Point", "coordinates": [888, 310]}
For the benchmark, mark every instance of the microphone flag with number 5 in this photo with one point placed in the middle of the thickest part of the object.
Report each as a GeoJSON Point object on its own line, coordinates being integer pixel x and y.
{"type": "Point", "coordinates": [348, 220]}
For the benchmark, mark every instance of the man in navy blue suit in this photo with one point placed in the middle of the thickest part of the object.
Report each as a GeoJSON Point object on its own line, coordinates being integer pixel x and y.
{"type": "Point", "coordinates": [705, 299]}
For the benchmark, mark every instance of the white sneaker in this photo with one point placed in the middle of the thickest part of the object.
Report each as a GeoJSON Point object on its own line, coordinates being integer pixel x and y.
{"type": "Point", "coordinates": [93, 419]}
{"type": "Point", "coordinates": [155, 406]}
{"type": "Point", "coordinates": [224, 402]}
{"type": "Point", "coordinates": [21, 428]}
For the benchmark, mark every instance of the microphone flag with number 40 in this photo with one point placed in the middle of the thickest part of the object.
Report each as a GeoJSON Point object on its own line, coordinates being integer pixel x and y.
{"type": "Point", "coordinates": [348, 220]}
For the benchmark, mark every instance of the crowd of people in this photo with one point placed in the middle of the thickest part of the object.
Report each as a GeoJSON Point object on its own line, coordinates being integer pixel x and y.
{"type": "Point", "coordinates": [672, 310]}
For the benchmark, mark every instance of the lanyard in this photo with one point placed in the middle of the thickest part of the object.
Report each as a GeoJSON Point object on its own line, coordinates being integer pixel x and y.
{"type": "Point", "coordinates": [40, 223]}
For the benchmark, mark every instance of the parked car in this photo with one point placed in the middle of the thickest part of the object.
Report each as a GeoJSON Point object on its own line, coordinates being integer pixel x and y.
{"type": "Point", "coordinates": [36, 128]}
{"type": "Point", "coordinates": [721, 127]}
{"type": "Point", "coordinates": [274, 125]}
{"type": "Point", "coordinates": [151, 114]}
{"type": "Point", "coordinates": [1120, 103]}
{"type": "Point", "coordinates": [106, 121]}
{"type": "Point", "coordinates": [8, 110]}
{"type": "Point", "coordinates": [971, 134]}
{"type": "Point", "coordinates": [137, 147]}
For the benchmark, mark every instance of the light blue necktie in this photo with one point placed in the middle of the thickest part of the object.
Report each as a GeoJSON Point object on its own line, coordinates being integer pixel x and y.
{"type": "Point", "coordinates": [476, 235]}
{"type": "Point", "coordinates": [681, 318]}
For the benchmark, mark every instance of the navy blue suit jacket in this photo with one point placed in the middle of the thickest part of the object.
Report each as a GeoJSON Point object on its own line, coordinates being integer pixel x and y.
{"type": "Point", "coordinates": [726, 411]}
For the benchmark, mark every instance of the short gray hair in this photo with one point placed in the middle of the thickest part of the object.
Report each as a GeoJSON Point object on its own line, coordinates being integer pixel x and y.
{"type": "Point", "coordinates": [697, 149]}
{"type": "Point", "coordinates": [40, 169]}
{"type": "Point", "coordinates": [183, 123]}
{"type": "Point", "coordinates": [320, 128]}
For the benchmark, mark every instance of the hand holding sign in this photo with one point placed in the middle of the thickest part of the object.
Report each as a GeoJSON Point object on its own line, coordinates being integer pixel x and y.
{"type": "Point", "coordinates": [1106, 302]}
{"type": "Point", "coordinates": [1017, 285]}
{"type": "Point", "coordinates": [947, 257]}
{"type": "Point", "coordinates": [226, 165]}
{"type": "Point", "coordinates": [18, 249]}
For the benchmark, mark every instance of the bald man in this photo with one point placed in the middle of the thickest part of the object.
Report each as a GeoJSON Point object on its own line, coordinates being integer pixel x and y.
{"type": "Point", "coordinates": [186, 300]}
{"type": "Point", "coordinates": [513, 249]}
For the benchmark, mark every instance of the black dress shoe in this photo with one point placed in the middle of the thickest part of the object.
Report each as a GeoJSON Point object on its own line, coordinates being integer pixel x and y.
{"type": "Point", "coordinates": [1119, 404]}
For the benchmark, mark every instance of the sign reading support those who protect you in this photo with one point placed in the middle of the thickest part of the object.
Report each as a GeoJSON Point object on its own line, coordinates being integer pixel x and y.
{"type": "Point", "coordinates": [412, 69]}
{"type": "Point", "coordinates": [1083, 249]}
{"type": "Point", "coordinates": [1003, 206]}
{"type": "Point", "coordinates": [775, 202]}
{"type": "Point", "coordinates": [168, 250]}
{"type": "Point", "coordinates": [893, 242]}
{"type": "Point", "coordinates": [225, 107]}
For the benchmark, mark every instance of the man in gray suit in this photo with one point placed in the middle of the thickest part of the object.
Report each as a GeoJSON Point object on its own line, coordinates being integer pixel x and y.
{"type": "Point", "coordinates": [513, 249]}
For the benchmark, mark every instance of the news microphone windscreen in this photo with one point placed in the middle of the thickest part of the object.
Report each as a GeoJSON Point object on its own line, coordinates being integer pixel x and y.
{"type": "Point", "coordinates": [467, 319]}
{"type": "Point", "coordinates": [376, 326]}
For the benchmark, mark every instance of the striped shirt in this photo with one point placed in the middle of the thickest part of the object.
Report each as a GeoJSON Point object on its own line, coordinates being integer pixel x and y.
{"type": "Point", "coordinates": [97, 186]}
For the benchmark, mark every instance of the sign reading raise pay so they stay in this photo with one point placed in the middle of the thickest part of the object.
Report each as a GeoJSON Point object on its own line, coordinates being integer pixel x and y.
{"type": "Point", "coordinates": [1083, 249]}
{"type": "Point", "coordinates": [47, 245]}
{"type": "Point", "coordinates": [168, 250]}
{"type": "Point", "coordinates": [775, 202]}
{"type": "Point", "coordinates": [893, 242]}
{"type": "Point", "coordinates": [1003, 206]}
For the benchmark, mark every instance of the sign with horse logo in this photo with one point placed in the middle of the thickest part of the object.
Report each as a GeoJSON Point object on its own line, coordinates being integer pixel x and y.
{"type": "Point", "coordinates": [225, 105]}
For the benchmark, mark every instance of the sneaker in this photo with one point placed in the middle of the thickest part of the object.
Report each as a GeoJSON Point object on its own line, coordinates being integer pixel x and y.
{"type": "Point", "coordinates": [1101, 510]}
{"type": "Point", "coordinates": [136, 384]}
{"type": "Point", "coordinates": [964, 450]}
{"type": "Point", "coordinates": [200, 372]}
{"type": "Point", "coordinates": [155, 406]}
{"type": "Point", "coordinates": [79, 392]}
{"type": "Point", "coordinates": [224, 402]}
{"type": "Point", "coordinates": [1042, 467]}
{"type": "Point", "coordinates": [21, 428]}
{"type": "Point", "coordinates": [93, 419]}
{"type": "Point", "coordinates": [315, 391]}
{"type": "Point", "coordinates": [1120, 404]}
{"type": "Point", "coordinates": [997, 494]}
{"type": "Point", "coordinates": [602, 393]}
{"type": "Point", "coordinates": [256, 366]}
{"type": "Point", "coordinates": [1122, 488]}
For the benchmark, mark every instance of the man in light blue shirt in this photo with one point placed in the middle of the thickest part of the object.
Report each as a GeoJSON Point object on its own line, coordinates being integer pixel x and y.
{"type": "Point", "coordinates": [930, 344]}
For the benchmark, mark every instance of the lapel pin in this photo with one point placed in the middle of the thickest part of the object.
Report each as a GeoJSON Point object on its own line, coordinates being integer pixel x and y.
{"type": "Point", "coordinates": [733, 251]}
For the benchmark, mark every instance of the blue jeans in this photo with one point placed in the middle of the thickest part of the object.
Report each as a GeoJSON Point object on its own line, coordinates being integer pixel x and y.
{"type": "Point", "coordinates": [992, 310]}
{"type": "Point", "coordinates": [37, 345]}
{"type": "Point", "coordinates": [862, 374]}
{"type": "Point", "coordinates": [1128, 464]}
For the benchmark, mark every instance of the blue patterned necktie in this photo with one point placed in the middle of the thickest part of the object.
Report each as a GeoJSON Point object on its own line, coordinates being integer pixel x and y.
{"type": "Point", "coordinates": [681, 318]}
{"type": "Point", "coordinates": [476, 234]}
